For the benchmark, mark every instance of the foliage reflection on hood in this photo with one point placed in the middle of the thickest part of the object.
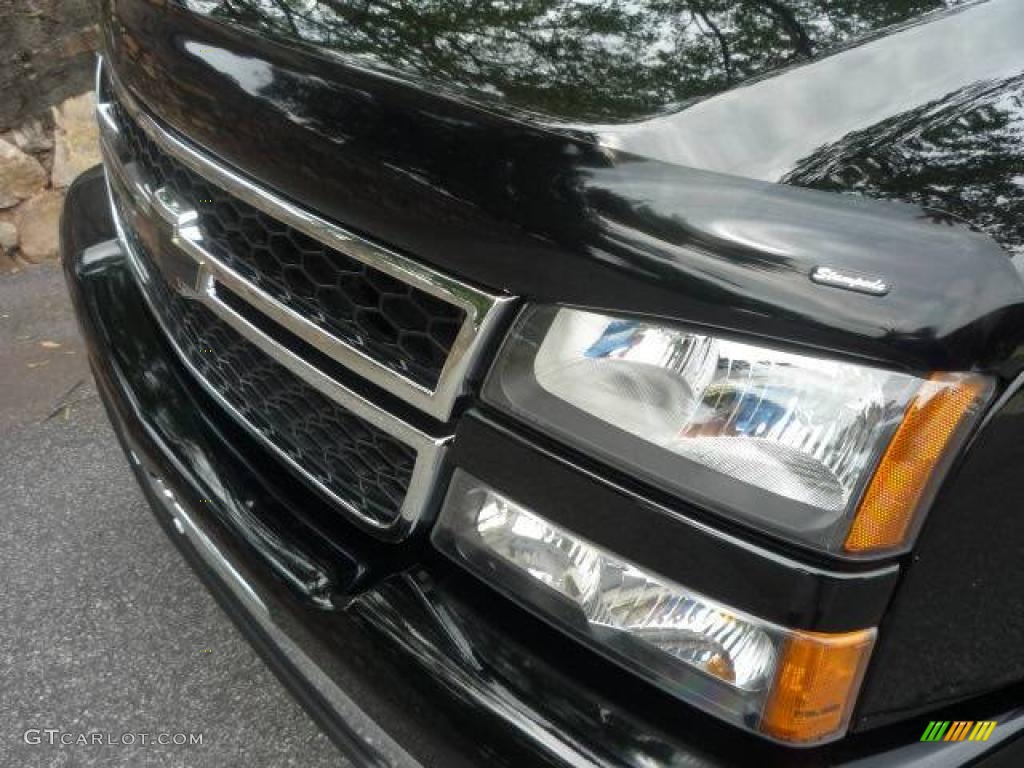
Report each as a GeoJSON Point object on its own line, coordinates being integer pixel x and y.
{"type": "Point", "coordinates": [962, 155]}
{"type": "Point", "coordinates": [592, 60]}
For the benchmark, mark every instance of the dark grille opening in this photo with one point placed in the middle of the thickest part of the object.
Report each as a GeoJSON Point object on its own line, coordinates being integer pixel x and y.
{"type": "Point", "coordinates": [354, 460]}
{"type": "Point", "coordinates": [398, 325]}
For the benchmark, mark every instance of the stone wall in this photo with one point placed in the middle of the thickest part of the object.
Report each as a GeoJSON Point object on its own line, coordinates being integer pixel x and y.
{"type": "Point", "coordinates": [47, 129]}
{"type": "Point", "coordinates": [38, 160]}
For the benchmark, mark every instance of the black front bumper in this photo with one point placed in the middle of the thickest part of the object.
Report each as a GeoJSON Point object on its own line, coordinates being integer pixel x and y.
{"type": "Point", "coordinates": [399, 656]}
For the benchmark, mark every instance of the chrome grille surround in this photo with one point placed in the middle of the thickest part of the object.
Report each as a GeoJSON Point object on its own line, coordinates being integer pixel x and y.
{"type": "Point", "coordinates": [483, 312]}
{"type": "Point", "coordinates": [192, 272]}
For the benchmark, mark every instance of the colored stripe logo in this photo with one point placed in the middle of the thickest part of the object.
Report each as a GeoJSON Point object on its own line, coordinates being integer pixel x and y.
{"type": "Point", "coordinates": [958, 730]}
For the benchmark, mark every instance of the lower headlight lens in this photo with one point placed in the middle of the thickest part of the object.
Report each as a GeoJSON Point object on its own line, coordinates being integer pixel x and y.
{"type": "Point", "coordinates": [794, 686]}
{"type": "Point", "coordinates": [615, 597]}
{"type": "Point", "coordinates": [783, 440]}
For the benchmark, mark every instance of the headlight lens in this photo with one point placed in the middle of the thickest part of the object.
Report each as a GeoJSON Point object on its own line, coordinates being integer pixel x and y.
{"type": "Point", "coordinates": [789, 441]}
{"type": "Point", "coordinates": [794, 686]}
{"type": "Point", "coordinates": [616, 597]}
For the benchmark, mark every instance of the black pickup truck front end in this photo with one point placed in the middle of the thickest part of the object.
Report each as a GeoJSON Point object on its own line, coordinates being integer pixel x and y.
{"type": "Point", "coordinates": [505, 441]}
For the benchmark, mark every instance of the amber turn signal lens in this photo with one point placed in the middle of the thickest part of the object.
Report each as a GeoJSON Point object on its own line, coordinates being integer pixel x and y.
{"type": "Point", "coordinates": [816, 685]}
{"type": "Point", "coordinates": [894, 494]}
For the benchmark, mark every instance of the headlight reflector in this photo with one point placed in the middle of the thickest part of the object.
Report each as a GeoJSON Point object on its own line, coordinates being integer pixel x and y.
{"type": "Point", "coordinates": [794, 686]}
{"type": "Point", "coordinates": [788, 441]}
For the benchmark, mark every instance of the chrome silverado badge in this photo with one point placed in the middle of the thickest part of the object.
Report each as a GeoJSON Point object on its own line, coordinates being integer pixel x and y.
{"type": "Point", "coordinates": [850, 281]}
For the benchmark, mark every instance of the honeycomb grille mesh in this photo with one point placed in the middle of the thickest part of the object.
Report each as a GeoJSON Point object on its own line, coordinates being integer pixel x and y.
{"type": "Point", "coordinates": [409, 331]}
{"type": "Point", "coordinates": [354, 460]}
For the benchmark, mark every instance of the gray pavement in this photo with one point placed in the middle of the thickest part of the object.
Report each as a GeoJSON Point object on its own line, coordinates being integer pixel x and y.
{"type": "Point", "coordinates": [103, 628]}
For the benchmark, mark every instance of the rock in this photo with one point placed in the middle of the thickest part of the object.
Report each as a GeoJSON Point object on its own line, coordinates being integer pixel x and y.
{"type": "Point", "coordinates": [38, 223]}
{"type": "Point", "coordinates": [76, 139]}
{"type": "Point", "coordinates": [21, 175]}
{"type": "Point", "coordinates": [8, 237]}
{"type": "Point", "coordinates": [33, 136]}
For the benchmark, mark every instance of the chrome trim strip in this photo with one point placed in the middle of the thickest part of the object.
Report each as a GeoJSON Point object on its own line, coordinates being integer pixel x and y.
{"type": "Point", "coordinates": [484, 311]}
{"type": "Point", "coordinates": [429, 449]}
{"type": "Point", "coordinates": [104, 110]}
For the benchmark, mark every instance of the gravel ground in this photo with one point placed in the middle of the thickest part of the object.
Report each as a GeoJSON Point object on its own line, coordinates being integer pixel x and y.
{"type": "Point", "coordinates": [103, 628]}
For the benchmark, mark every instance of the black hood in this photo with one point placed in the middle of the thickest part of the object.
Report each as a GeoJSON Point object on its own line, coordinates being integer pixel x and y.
{"type": "Point", "coordinates": [624, 155]}
{"type": "Point", "coordinates": [894, 109]}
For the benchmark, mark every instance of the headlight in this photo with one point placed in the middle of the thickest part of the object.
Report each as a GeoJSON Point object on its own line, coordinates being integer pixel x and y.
{"type": "Point", "coordinates": [794, 686]}
{"type": "Point", "coordinates": [793, 443]}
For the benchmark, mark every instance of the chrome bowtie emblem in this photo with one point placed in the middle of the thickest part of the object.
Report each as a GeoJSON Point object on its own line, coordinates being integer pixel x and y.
{"type": "Point", "coordinates": [850, 281]}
